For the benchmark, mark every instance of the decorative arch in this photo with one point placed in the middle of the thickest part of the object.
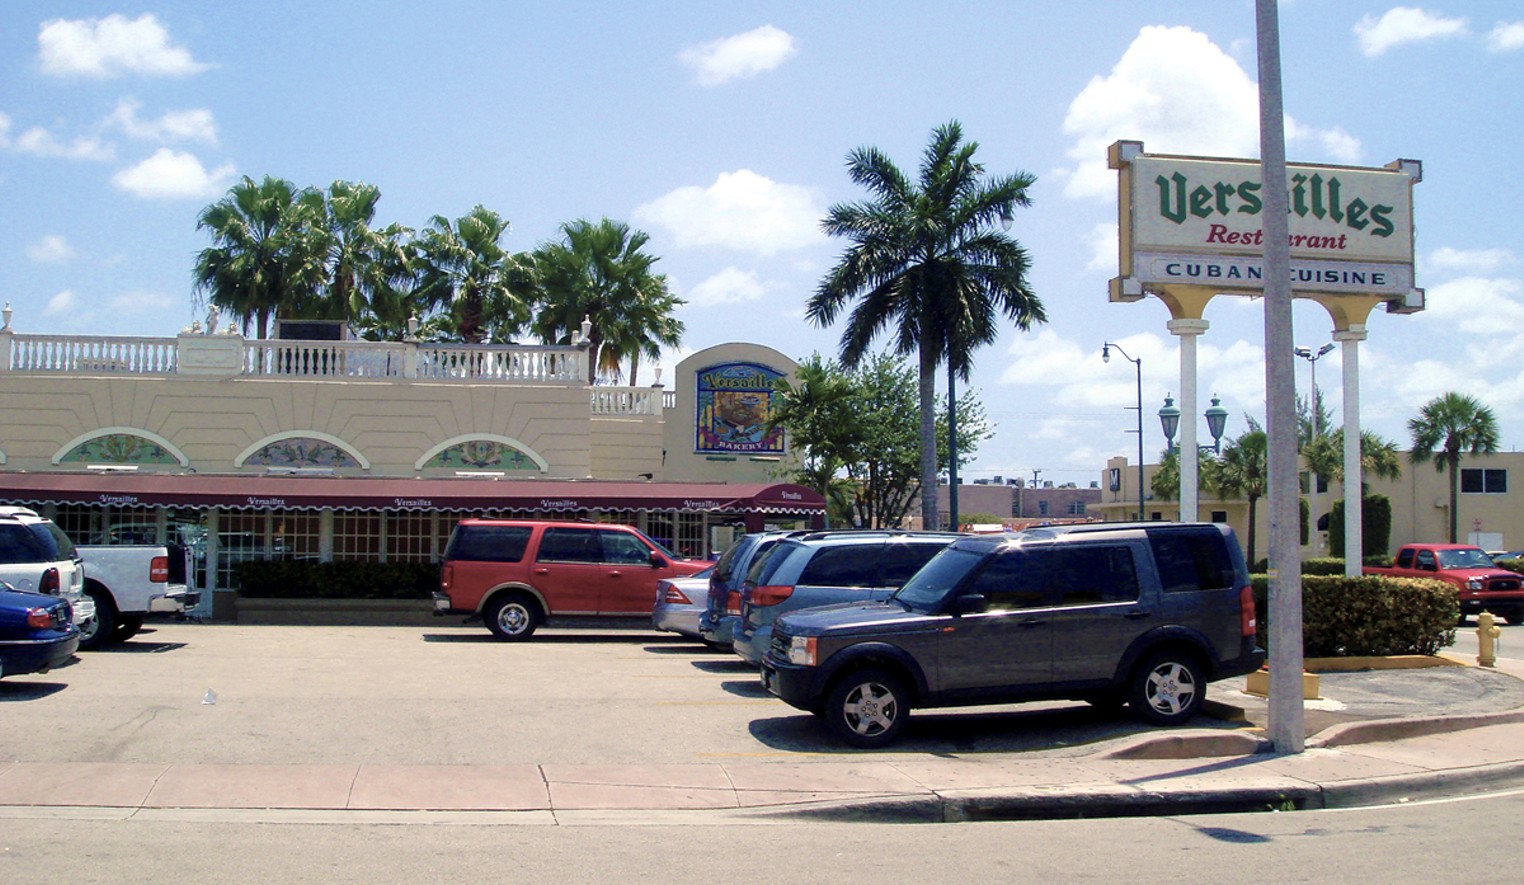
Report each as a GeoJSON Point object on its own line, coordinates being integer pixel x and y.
{"type": "Point", "coordinates": [119, 445]}
{"type": "Point", "coordinates": [302, 449]}
{"type": "Point", "coordinates": [482, 451]}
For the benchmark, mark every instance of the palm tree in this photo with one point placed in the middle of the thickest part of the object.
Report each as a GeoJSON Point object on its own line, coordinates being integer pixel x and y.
{"type": "Point", "coordinates": [1378, 456]}
{"type": "Point", "coordinates": [265, 261]}
{"type": "Point", "coordinates": [1452, 423]}
{"type": "Point", "coordinates": [1241, 470]}
{"type": "Point", "coordinates": [364, 265]}
{"type": "Point", "coordinates": [464, 270]}
{"type": "Point", "coordinates": [600, 272]}
{"type": "Point", "coordinates": [928, 264]}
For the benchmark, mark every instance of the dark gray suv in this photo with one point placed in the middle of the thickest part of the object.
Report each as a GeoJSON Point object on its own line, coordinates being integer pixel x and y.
{"type": "Point", "coordinates": [1141, 613]}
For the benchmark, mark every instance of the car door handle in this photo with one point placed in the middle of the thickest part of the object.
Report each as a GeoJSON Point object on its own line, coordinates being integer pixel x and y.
{"type": "Point", "coordinates": [614, 573]}
{"type": "Point", "coordinates": [1136, 614]}
{"type": "Point", "coordinates": [1033, 622]}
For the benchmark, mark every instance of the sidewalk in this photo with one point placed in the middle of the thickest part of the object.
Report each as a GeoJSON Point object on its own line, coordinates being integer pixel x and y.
{"type": "Point", "coordinates": [1363, 760]}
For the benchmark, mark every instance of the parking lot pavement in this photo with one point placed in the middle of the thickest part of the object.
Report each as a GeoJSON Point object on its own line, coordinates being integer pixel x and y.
{"type": "Point", "coordinates": [299, 723]}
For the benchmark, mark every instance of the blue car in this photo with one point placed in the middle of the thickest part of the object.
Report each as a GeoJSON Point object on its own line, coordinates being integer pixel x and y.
{"type": "Point", "coordinates": [37, 632]}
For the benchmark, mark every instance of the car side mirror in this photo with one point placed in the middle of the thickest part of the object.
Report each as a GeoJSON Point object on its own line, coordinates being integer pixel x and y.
{"type": "Point", "coordinates": [657, 561]}
{"type": "Point", "coordinates": [970, 604]}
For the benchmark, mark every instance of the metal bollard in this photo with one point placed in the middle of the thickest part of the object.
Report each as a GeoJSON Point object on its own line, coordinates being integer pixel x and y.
{"type": "Point", "coordinates": [1487, 633]}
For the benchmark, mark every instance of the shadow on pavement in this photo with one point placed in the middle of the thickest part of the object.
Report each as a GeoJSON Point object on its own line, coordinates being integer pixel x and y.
{"type": "Point", "coordinates": [732, 664]}
{"type": "Point", "coordinates": [12, 690]}
{"type": "Point", "coordinates": [746, 688]}
{"type": "Point", "coordinates": [138, 647]}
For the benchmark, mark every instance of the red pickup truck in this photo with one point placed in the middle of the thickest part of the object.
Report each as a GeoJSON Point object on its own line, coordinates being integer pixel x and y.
{"type": "Point", "coordinates": [1479, 583]}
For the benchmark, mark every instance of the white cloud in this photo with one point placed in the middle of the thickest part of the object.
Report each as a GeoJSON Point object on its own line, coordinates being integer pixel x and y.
{"type": "Point", "coordinates": [1177, 92]}
{"type": "Point", "coordinates": [739, 55]}
{"type": "Point", "coordinates": [1478, 305]}
{"type": "Point", "coordinates": [730, 286]}
{"type": "Point", "coordinates": [129, 302]}
{"type": "Point", "coordinates": [1506, 37]}
{"type": "Point", "coordinates": [51, 249]}
{"type": "Point", "coordinates": [1101, 243]}
{"type": "Point", "coordinates": [1470, 260]}
{"type": "Point", "coordinates": [63, 302]}
{"type": "Point", "coordinates": [5, 131]}
{"type": "Point", "coordinates": [741, 210]}
{"type": "Point", "coordinates": [1404, 24]}
{"type": "Point", "coordinates": [42, 143]}
{"type": "Point", "coordinates": [172, 175]}
{"type": "Point", "coordinates": [110, 47]}
{"type": "Point", "coordinates": [174, 126]}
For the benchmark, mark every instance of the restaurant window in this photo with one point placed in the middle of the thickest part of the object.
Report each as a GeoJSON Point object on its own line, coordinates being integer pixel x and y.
{"type": "Point", "coordinates": [357, 537]}
{"type": "Point", "coordinates": [410, 537]}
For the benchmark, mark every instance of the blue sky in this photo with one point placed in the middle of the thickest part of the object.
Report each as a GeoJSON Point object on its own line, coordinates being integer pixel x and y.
{"type": "Point", "coordinates": [721, 130]}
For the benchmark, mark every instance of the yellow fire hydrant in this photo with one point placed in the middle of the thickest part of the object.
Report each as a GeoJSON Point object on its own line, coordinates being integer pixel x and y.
{"type": "Point", "coordinates": [1487, 633]}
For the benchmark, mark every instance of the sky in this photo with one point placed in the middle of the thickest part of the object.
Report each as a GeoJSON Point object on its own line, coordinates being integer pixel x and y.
{"type": "Point", "coordinates": [721, 129]}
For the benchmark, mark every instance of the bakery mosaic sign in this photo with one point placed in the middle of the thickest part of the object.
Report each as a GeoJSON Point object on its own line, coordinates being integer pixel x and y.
{"type": "Point", "coordinates": [733, 409]}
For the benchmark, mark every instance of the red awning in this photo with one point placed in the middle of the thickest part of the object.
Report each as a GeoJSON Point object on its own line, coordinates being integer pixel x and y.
{"type": "Point", "coordinates": [262, 492]}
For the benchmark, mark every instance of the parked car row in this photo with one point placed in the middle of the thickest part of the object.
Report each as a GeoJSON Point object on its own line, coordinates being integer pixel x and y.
{"type": "Point", "coordinates": [861, 627]}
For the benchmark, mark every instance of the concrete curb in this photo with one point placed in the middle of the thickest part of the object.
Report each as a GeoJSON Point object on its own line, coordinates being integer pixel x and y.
{"type": "Point", "coordinates": [1397, 729]}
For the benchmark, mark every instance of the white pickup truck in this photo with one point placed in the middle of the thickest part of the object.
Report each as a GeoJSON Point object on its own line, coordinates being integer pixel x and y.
{"type": "Point", "coordinates": [130, 582]}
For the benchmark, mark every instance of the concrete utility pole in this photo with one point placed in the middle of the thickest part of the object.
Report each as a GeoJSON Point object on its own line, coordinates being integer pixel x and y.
{"type": "Point", "coordinates": [1287, 728]}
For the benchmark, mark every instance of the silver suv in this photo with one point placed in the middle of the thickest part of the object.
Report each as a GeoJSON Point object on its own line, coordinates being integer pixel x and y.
{"type": "Point", "coordinates": [36, 556]}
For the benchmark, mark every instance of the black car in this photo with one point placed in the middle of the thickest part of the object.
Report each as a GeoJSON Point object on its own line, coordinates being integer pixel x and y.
{"type": "Point", "coordinates": [722, 609]}
{"type": "Point", "coordinates": [37, 632]}
{"type": "Point", "coordinates": [1138, 613]}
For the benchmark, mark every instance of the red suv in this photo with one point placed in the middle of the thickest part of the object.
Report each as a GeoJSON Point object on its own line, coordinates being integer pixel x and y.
{"type": "Point", "coordinates": [516, 573]}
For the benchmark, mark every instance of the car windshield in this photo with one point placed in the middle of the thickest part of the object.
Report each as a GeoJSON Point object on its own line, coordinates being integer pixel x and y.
{"type": "Point", "coordinates": [928, 587]}
{"type": "Point", "coordinates": [1470, 558]}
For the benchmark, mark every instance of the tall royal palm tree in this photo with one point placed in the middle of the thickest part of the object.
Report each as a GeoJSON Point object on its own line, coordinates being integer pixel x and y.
{"type": "Point", "coordinates": [600, 271]}
{"type": "Point", "coordinates": [265, 260]}
{"type": "Point", "coordinates": [1242, 470]}
{"type": "Point", "coordinates": [464, 270]}
{"type": "Point", "coordinates": [929, 264]}
{"type": "Point", "coordinates": [1452, 424]}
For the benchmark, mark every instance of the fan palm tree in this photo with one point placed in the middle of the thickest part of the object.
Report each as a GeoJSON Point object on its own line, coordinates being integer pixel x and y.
{"type": "Point", "coordinates": [266, 260]}
{"type": "Point", "coordinates": [928, 264]}
{"type": "Point", "coordinates": [1378, 456]}
{"type": "Point", "coordinates": [1445, 427]}
{"type": "Point", "coordinates": [1242, 470]}
{"type": "Point", "coordinates": [464, 270]}
{"type": "Point", "coordinates": [364, 264]}
{"type": "Point", "coordinates": [600, 271]}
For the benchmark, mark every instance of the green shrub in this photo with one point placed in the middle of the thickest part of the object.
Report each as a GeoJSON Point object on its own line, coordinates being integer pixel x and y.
{"type": "Point", "coordinates": [1375, 526]}
{"type": "Point", "coordinates": [1323, 565]}
{"type": "Point", "coordinates": [1347, 617]}
{"type": "Point", "coordinates": [306, 579]}
{"type": "Point", "coordinates": [1513, 565]}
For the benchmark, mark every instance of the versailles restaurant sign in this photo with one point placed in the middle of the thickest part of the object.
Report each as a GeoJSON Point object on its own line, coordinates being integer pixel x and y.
{"type": "Point", "coordinates": [1193, 221]}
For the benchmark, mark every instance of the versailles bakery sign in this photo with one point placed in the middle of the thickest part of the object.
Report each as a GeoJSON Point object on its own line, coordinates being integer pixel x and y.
{"type": "Point", "coordinates": [1195, 221]}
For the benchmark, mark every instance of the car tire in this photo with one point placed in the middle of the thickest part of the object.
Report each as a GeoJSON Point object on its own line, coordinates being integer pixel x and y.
{"type": "Point", "coordinates": [98, 631]}
{"type": "Point", "coordinates": [1167, 687]}
{"type": "Point", "coordinates": [513, 617]}
{"type": "Point", "coordinates": [867, 708]}
{"type": "Point", "coordinates": [127, 626]}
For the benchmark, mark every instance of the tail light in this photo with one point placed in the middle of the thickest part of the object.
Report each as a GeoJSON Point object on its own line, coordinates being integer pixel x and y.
{"type": "Point", "coordinates": [158, 570]}
{"type": "Point", "coordinates": [733, 602]}
{"type": "Point", "coordinates": [39, 619]}
{"type": "Point", "coordinates": [446, 576]}
{"type": "Point", "coordinates": [49, 583]}
{"type": "Point", "coordinates": [1248, 623]}
{"type": "Point", "coordinates": [770, 594]}
{"type": "Point", "coordinates": [674, 596]}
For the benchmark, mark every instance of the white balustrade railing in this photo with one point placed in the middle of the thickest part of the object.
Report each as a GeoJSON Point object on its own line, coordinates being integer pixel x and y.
{"type": "Point", "coordinates": [615, 402]}
{"type": "Point", "coordinates": [90, 354]}
{"type": "Point", "coordinates": [512, 363]}
{"type": "Point", "coordinates": [325, 359]}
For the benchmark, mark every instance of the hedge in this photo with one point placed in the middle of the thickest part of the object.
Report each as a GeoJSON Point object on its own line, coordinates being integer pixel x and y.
{"type": "Point", "coordinates": [306, 579]}
{"type": "Point", "coordinates": [1350, 617]}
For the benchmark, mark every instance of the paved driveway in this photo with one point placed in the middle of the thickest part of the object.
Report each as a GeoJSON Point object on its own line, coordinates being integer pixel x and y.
{"type": "Point", "coordinates": [452, 695]}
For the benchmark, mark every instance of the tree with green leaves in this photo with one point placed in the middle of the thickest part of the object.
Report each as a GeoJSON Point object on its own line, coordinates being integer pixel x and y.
{"type": "Point", "coordinates": [464, 271]}
{"type": "Point", "coordinates": [1242, 471]}
{"type": "Point", "coordinates": [266, 260]}
{"type": "Point", "coordinates": [1378, 456]}
{"type": "Point", "coordinates": [930, 265]}
{"type": "Point", "coordinates": [848, 428]}
{"type": "Point", "coordinates": [601, 272]}
{"type": "Point", "coordinates": [1445, 427]}
{"type": "Point", "coordinates": [365, 266]}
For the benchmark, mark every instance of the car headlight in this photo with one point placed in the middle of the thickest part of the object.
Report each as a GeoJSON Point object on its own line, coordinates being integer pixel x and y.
{"type": "Point", "coordinates": [801, 651]}
{"type": "Point", "coordinates": [1474, 584]}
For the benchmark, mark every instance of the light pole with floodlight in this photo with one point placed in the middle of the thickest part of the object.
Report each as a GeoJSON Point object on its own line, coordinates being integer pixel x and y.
{"type": "Point", "coordinates": [1106, 358]}
{"type": "Point", "coordinates": [1312, 358]}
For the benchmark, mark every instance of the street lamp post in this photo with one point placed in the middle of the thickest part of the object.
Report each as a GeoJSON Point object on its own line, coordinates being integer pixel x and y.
{"type": "Point", "coordinates": [1217, 420]}
{"type": "Point", "coordinates": [1106, 358]}
{"type": "Point", "coordinates": [1307, 354]}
